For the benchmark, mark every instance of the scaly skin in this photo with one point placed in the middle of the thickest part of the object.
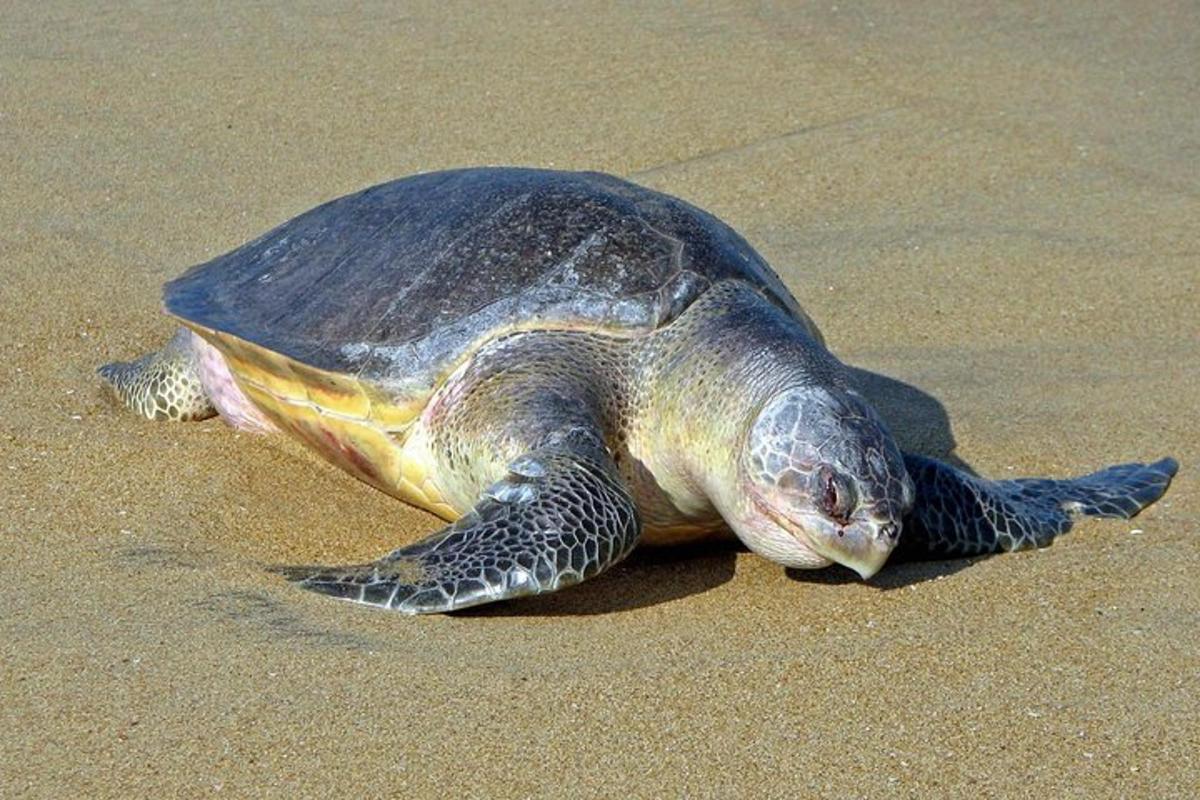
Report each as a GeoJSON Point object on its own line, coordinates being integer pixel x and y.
{"type": "Point", "coordinates": [164, 385]}
{"type": "Point", "coordinates": [677, 433]}
{"type": "Point", "coordinates": [661, 403]}
{"type": "Point", "coordinates": [579, 406]}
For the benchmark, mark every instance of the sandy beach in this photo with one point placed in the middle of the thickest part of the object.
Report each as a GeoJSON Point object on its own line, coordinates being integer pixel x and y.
{"type": "Point", "coordinates": [994, 212]}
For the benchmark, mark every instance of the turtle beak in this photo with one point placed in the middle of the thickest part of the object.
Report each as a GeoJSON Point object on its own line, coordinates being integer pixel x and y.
{"type": "Point", "coordinates": [862, 545]}
{"type": "Point", "coordinates": [867, 567]}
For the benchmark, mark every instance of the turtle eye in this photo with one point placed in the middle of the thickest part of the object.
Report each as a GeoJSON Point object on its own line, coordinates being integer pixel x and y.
{"type": "Point", "coordinates": [834, 495]}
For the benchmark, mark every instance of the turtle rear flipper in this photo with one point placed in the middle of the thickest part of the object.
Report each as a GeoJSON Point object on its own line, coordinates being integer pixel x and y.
{"type": "Point", "coordinates": [162, 385]}
{"type": "Point", "coordinates": [560, 516]}
{"type": "Point", "coordinates": [957, 514]}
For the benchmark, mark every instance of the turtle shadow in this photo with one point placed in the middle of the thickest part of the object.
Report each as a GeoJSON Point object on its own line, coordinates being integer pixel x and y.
{"type": "Point", "coordinates": [650, 576]}
{"type": "Point", "coordinates": [897, 574]}
{"type": "Point", "coordinates": [917, 420]}
{"type": "Point", "coordinates": [659, 575]}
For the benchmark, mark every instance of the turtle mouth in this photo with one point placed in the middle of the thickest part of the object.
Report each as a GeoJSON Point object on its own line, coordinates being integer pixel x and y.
{"type": "Point", "coordinates": [841, 544]}
{"type": "Point", "coordinates": [794, 528]}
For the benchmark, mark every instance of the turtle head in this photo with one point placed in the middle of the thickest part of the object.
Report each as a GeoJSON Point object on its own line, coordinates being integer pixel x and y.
{"type": "Point", "coordinates": [821, 480]}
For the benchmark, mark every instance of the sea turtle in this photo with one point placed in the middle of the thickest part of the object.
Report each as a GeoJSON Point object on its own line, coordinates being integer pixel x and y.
{"type": "Point", "coordinates": [563, 365]}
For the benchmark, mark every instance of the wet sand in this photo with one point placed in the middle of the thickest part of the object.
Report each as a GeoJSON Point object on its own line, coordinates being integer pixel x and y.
{"type": "Point", "coordinates": [999, 210]}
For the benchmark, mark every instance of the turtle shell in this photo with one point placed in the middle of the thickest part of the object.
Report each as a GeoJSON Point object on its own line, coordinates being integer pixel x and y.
{"type": "Point", "coordinates": [390, 287]}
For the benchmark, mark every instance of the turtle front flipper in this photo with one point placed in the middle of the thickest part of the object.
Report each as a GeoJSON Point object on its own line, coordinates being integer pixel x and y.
{"type": "Point", "coordinates": [957, 514]}
{"type": "Point", "coordinates": [162, 385]}
{"type": "Point", "coordinates": [560, 516]}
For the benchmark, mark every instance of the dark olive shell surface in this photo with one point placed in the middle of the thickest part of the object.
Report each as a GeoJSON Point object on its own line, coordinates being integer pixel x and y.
{"type": "Point", "coordinates": [394, 283]}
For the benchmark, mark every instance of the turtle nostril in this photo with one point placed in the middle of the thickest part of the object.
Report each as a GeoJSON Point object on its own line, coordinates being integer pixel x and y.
{"type": "Point", "coordinates": [889, 530]}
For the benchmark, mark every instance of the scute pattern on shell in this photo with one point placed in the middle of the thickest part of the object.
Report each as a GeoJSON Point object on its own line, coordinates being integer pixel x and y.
{"type": "Point", "coordinates": [394, 282]}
